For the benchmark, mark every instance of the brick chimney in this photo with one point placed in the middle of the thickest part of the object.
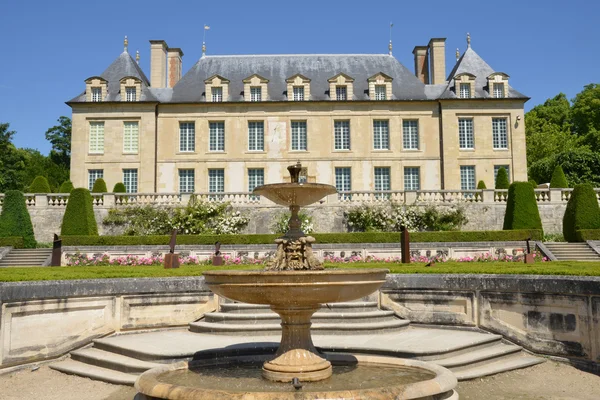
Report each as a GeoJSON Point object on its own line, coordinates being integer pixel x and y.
{"type": "Point", "coordinates": [421, 63]}
{"type": "Point", "coordinates": [174, 64]}
{"type": "Point", "coordinates": [158, 63]}
{"type": "Point", "coordinates": [437, 60]}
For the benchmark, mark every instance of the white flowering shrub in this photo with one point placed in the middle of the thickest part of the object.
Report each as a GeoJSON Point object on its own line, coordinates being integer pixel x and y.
{"type": "Point", "coordinates": [281, 223]}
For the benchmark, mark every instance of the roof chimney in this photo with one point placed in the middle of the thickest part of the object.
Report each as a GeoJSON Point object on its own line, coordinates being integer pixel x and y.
{"type": "Point", "coordinates": [421, 64]}
{"type": "Point", "coordinates": [158, 63]}
{"type": "Point", "coordinates": [174, 61]}
{"type": "Point", "coordinates": [437, 60]}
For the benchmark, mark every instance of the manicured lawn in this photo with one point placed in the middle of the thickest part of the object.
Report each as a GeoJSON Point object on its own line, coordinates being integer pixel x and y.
{"type": "Point", "coordinates": [96, 272]}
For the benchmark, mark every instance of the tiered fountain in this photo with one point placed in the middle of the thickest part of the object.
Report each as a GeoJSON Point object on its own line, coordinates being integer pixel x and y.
{"type": "Point", "coordinates": [294, 285]}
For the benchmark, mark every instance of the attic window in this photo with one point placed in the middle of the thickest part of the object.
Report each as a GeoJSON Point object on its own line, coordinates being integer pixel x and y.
{"type": "Point", "coordinates": [380, 92]}
{"type": "Point", "coordinates": [298, 93]}
{"type": "Point", "coordinates": [217, 94]}
{"type": "Point", "coordinates": [465, 91]}
{"type": "Point", "coordinates": [255, 93]}
{"type": "Point", "coordinates": [96, 94]}
{"type": "Point", "coordinates": [131, 93]}
{"type": "Point", "coordinates": [499, 90]}
{"type": "Point", "coordinates": [341, 93]}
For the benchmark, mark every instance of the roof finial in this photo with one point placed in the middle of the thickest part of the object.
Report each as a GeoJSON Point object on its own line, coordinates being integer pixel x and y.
{"type": "Point", "coordinates": [137, 56]}
{"type": "Point", "coordinates": [206, 27]}
{"type": "Point", "coordinates": [390, 45]}
{"type": "Point", "coordinates": [125, 44]}
{"type": "Point", "coordinates": [468, 39]}
{"type": "Point", "coordinates": [457, 54]}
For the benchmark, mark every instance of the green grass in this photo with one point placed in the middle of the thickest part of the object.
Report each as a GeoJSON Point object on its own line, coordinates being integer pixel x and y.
{"type": "Point", "coordinates": [15, 274]}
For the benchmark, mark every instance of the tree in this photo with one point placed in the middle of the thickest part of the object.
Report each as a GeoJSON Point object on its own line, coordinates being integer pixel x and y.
{"type": "Point", "coordinates": [558, 181]}
{"type": "Point", "coordinates": [502, 179]}
{"type": "Point", "coordinates": [60, 138]}
{"type": "Point", "coordinates": [12, 163]}
{"type": "Point", "coordinates": [39, 185]}
{"type": "Point", "coordinates": [521, 208]}
{"type": "Point", "coordinates": [15, 219]}
{"type": "Point", "coordinates": [579, 166]}
{"type": "Point", "coordinates": [585, 115]}
{"type": "Point", "coordinates": [79, 216]}
{"type": "Point", "coordinates": [582, 212]}
{"type": "Point", "coordinates": [99, 186]}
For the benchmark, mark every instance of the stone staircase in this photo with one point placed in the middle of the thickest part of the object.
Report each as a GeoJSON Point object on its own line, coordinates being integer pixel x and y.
{"type": "Point", "coordinates": [250, 328]}
{"type": "Point", "coordinates": [572, 251]}
{"type": "Point", "coordinates": [26, 258]}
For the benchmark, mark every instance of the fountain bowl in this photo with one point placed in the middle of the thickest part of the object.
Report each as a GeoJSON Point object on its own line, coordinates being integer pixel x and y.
{"type": "Point", "coordinates": [294, 194]}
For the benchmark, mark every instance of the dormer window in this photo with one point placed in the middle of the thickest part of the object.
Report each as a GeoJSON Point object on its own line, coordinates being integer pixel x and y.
{"type": "Point", "coordinates": [380, 87]}
{"type": "Point", "coordinates": [465, 91]}
{"type": "Point", "coordinates": [131, 88]}
{"type": "Point", "coordinates": [255, 93]}
{"type": "Point", "coordinates": [217, 94]}
{"type": "Point", "coordinates": [341, 93]}
{"type": "Point", "coordinates": [96, 89]}
{"type": "Point", "coordinates": [498, 85]}
{"type": "Point", "coordinates": [464, 85]}
{"type": "Point", "coordinates": [216, 89]}
{"type": "Point", "coordinates": [255, 88]}
{"type": "Point", "coordinates": [341, 87]}
{"type": "Point", "coordinates": [380, 92]}
{"type": "Point", "coordinates": [499, 90]}
{"type": "Point", "coordinates": [298, 88]}
{"type": "Point", "coordinates": [96, 94]}
{"type": "Point", "coordinates": [130, 93]}
{"type": "Point", "coordinates": [298, 93]}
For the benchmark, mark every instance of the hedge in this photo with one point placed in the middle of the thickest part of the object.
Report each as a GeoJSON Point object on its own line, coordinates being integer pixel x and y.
{"type": "Point", "coordinates": [66, 187]}
{"type": "Point", "coordinates": [79, 216]}
{"type": "Point", "coordinates": [40, 185]}
{"type": "Point", "coordinates": [481, 185]}
{"type": "Point", "coordinates": [99, 186]}
{"type": "Point", "coordinates": [582, 212]}
{"type": "Point", "coordinates": [502, 179]}
{"type": "Point", "coordinates": [12, 241]}
{"type": "Point", "coordinates": [15, 219]}
{"type": "Point", "coordinates": [119, 188]}
{"type": "Point", "coordinates": [323, 238]}
{"type": "Point", "coordinates": [558, 181]}
{"type": "Point", "coordinates": [521, 208]}
{"type": "Point", "coordinates": [583, 235]}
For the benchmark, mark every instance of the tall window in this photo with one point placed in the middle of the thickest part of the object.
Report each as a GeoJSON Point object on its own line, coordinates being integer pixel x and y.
{"type": "Point", "coordinates": [130, 137]}
{"type": "Point", "coordinates": [382, 181]}
{"type": "Point", "coordinates": [499, 90]}
{"type": "Point", "coordinates": [410, 134]}
{"type": "Point", "coordinates": [130, 93]}
{"type": "Point", "coordinates": [96, 94]}
{"type": "Point", "coordinates": [342, 135]}
{"type": "Point", "coordinates": [381, 135]}
{"type": "Point", "coordinates": [340, 93]}
{"type": "Point", "coordinates": [465, 91]}
{"type": "Point", "coordinates": [499, 134]}
{"type": "Point", "coordinates": [343, 182]}
{"type": "Point", "coordinates": [256, 136]}
{"type": "Point", "coordinates": [497, 167]}
{"type": "Point", "coordinates": [299, 135]}
{"type": "Point", "coordinates": [96, 137]}
{"type": "Point", "coordinates": [216, 182]}
{"type": "Point", "coordinates": [187, 136]}
{"type": "Point", "coordinates": [255, 93]}
{"type": "Point", "coordinates": [298, 93]}
{"type": "Point", "coordinates": [467, 177]}
{"type": "Point", "coordinates": [380, 92]}
{"type": "Point", "coordinates": [186, 180]}
{"type": "Point", "coordinates": [256, 177]}
{"type": "Point", "coordinates": [412, 178]}
{"type": "Point", "coordinates": [130, 180]}
{"type": "Point", "coordinates": [216, 136]}
{"type": "Point", "coordinates": [217, 94]}
{"type": "Point", "coordinates": [94, 174]}
{"type": "Point", "coordinates": [466, 138]}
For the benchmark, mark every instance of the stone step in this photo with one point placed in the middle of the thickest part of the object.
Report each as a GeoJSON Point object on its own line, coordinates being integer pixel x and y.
{"type": "Point", "coordinates": [239, 308]}
{"type": "Point", "coordinates": [91, 371]}
{"type": "Point", "coordinates": [266, 317]}
{"type": "Point", "coordinates": [520, 360]}
{"type": "Point", "coordinates": [113, 361]}
{"type": "Point", "coordinates": [478, 356]}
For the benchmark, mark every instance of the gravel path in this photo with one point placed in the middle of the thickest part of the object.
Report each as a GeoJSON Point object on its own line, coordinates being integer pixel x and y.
{"type": "Point", "coordinates": [547, 381]}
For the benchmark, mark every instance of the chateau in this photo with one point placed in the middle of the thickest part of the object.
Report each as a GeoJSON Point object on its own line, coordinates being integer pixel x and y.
{"type": "Point", "coordinates": [362, 122]}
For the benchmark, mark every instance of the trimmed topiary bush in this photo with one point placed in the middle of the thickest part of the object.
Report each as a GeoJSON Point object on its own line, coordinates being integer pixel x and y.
{"type": "Point", "coordinates": [533, 183]}
{"type": "Point", "coordinates": [66, 187]}
{"type": "Point", "coordinates": [99, 186]}
{"type": "Point", "coordinates": [582, 212]}
{"type": "Point", "coordinates": [502, 179]}
{"type": "Point", "coordinates": [40, 185]}
{"type": "Point", "coordinates": [481, 185]}
{"type": "Point", "coordinates": [558, 181]}
{"type": "Point", "coordinates": [119, 188]}
{"type": "Point", "coordinates": [15, 219]}
{"type": "Point", "coordinates": [79, 216]}
{"type": "Point", "coordinates": [521, 208]}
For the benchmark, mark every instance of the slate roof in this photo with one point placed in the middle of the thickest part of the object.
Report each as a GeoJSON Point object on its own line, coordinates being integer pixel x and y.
{"type": "Point", "coordinates": [470, 62]}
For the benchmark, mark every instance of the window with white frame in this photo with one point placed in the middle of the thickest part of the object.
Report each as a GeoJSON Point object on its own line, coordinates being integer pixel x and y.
{"type": "Point", "coordinates": [341, 93]}
{"type": "Point", "coordinates": [130, 180]}
{"type": "Point", "coordinates": [94, 174]}
{"type": "Point", "coordinates": [96, 94]}
{"type": "Point", "coordinates": [299, 135]}
{"type": "Point", "coordinates": [380, 92]}
{"type": "Point", "coordinates": [466, 137]}
{"type": "Point", "coordinates": [130, 93]}
{"type": "Point", "coordinates": [298, 93]}
{"type": "Point", "coordinates": [343, 182]}
{"type": "Point", "coordinates": [465, 91]}
{"type": "Point", "coordinates": [467, 177]}
{"type": "Point", "coordinates": [216, 180]}
{"type": "Point", "coordinates": [341, 135]}
{"type": "Point", "coordinates": [382, 181]}
{"type": "Point", "coordinates": [217, 94]}
{"type": "Point", "coordinates": [381, 135]}
{"type": "Point", "coordinates": [410, 134]}
{"type": "Point", "coordinates": [96, 137]}
{"type": "Point", "coordinates": [412, 178]}
{"type": "Point", "coordinates": [186, 180]}
{"type": "Point", "coordinates": [256, 177]}
{"type": "Point", "coordinates": [256, 136]}
{"type": "Point", "coordinates": [131, 133]}
{"type": "Point", "coordinates": [497, 168]}
{"type": "Point", "coordinates": [499, 90]}
{"type": "Point", "coordinates": [255, 93]}
{"type": "Point", "coordinates": [216, 136]}
{"type": "Point", "coordinates": [187, 136]}
{"type": "Point", "coordinates": [499, 133]}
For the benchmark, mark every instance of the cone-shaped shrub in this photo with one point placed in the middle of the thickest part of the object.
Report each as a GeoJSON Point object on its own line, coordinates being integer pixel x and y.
{"type": "Point", "coordinates": [99, 186]}
{"type": "Point", "coordinates": [481, 185]}
{"type": "Point", "coordinates": [119, 188]}
{"type": "Point", "coordinates": [15, 219]}
{"type": "Point", "coordinates": [66, 187]}
{"type": "Point", "coordinates": [79, 216]}
{"type": "Point", "coordinates": [533, 183]}
{"type": "Point", "coordinates": [558, 181]}
{"type": "Point", "coordinates": [40, 185]}
{"type": "Point", "coordinates": [582, 211]}
{"type": "Point", "coordinates": [502, 179]}
{"type": "Point", "coordinates": [521, 208]}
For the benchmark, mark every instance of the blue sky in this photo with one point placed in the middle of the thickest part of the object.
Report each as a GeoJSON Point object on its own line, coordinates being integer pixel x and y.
{"type": "Point", "coordinates": [50, 48]}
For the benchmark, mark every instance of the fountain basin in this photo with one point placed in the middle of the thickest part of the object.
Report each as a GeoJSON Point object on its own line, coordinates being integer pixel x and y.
{"type": "Point", "coordinates": [356, 377]}
{"type": "Point", "coordinates": [295, 194]}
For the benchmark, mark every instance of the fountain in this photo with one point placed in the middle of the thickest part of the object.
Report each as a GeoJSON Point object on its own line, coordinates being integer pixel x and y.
{"type": "Point", "coordinates": [294, 284]}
